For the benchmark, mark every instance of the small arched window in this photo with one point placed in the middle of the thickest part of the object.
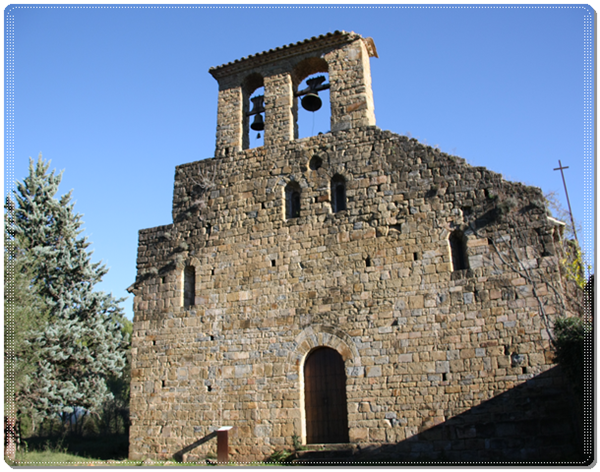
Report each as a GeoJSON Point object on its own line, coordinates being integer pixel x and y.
{"type": "Point", "coordinates": [458, 249]}
{"type": "Point", "coordinates": [189, 286]}
{"type": "Point", "coordinates": [292, 200]}
{"type": "Point", "coordinates": [338, 193]}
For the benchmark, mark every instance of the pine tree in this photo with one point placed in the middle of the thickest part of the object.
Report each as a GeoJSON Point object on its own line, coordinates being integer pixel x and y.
{"type": "Point", "coordinates": [80, 344]}
{"type": "Point", "coordinates": [24, 313]}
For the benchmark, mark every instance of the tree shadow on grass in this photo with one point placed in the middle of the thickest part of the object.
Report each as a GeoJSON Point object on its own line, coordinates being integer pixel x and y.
{"type": "Point", "coordinates": [102, 447]}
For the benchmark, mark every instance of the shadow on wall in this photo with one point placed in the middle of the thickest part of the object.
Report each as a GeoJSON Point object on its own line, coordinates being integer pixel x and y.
{"type": "Point", "coordinates": [538, 421]}
{"type": "Point", "coordinates": [178, 456]}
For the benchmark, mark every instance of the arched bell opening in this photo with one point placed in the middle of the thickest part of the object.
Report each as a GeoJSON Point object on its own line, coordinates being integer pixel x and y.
{"type": "Point", "coordinates": [311, 108]}
{"type": "Point", "coordinates": [253, 111]}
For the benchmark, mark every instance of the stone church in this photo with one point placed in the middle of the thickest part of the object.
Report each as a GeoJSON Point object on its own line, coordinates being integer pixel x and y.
{"type": "Point", "coordinates": [351, 287]}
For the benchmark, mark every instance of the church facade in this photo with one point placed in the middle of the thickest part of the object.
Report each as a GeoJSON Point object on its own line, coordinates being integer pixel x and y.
{"type": "Point", "coordinates": [351, 287]}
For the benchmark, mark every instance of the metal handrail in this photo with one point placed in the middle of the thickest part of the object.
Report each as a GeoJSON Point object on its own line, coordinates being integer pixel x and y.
{"type": "Point", "coordinates": [222, 435]}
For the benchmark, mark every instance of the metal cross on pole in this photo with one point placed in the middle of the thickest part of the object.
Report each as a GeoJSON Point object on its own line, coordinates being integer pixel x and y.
{"type": "Point", "coordinates": [560, 167]}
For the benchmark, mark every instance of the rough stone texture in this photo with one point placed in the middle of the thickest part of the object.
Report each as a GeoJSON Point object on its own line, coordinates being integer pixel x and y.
{"type": "Point", "coordinates": [422, 343]}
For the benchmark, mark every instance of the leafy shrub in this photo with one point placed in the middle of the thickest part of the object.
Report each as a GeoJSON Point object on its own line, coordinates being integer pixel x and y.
{"type": "Point", "coordinates": [280, 457]}
{"type": "Point", "coordinates": [507, 205]}
{"type": "Point", "coordinates": [569, 337]}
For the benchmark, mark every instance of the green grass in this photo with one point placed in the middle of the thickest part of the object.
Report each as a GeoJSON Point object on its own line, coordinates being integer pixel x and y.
{"type": "Point", "coordinates": [64, 459]}
{"type": "Point", "coordinates": [75, 451]}
{"type": "Point", "coordinates": [105, 451]}
{"type": "Point", "coordinates": [61, 458]}
{"type": "Point", "coordinates": [46, 458]}
{"type": "Point", "coordinates": [98, 447]}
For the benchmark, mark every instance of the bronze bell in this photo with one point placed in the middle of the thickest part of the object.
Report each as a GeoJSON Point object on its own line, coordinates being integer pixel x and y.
{"type": "Point", "coordinates": [311, 102]}
{"type": "Point", "coordinates": [258, 124]}
{"type": "Point", "coordinates": [257, 108]}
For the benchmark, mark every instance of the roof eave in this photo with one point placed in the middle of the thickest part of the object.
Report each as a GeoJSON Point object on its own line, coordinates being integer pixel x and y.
{"type": "Point", "coordinates": [279, 53]}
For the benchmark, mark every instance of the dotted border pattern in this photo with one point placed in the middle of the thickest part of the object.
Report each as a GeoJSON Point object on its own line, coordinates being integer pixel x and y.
{"type": "Point", "coordinates": [588, 225]}
{"type": "Point", "coordinates": [9, 175]}
{"type": "Point", "coordinates": [333, 463]}
{"type": "Point", "coordinates": [588, 156]}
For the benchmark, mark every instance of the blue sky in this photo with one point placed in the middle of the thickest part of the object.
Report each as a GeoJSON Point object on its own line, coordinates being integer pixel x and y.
{"type": "Point", "coordinates": [117, 96]}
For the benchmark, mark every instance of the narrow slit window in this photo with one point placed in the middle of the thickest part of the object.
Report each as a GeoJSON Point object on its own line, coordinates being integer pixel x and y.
{"type": "Point", "coordinates": [459, 251]}
{"type": "Point", "coordinates": [189, 286]}
{"type": "Point", "coordinates": [292, 200]}
{"type": "Point", "coordinates": [338, 193]}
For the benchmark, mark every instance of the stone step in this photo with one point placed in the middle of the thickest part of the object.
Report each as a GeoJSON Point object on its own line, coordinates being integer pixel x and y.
{"type": "Point", "coordinates": [330, 447]}
{"type": "Point", "coordinates": [325, 454]}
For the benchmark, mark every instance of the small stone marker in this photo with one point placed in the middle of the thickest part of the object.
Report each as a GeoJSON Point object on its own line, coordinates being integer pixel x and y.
{"type": "Point", "coordinates": [223, 444]}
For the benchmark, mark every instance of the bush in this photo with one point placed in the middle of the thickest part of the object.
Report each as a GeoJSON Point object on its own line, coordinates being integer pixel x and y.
{"type": "Point", "coordinates": [569, 337]}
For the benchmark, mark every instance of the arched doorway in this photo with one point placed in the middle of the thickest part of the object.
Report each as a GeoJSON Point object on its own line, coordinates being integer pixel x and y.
{"type": "Point", "coordinates": [325, 397]}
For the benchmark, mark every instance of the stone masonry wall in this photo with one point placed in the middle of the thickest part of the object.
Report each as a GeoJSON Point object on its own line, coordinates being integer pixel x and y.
{"type": "Point", "coordinates": [422, 343]}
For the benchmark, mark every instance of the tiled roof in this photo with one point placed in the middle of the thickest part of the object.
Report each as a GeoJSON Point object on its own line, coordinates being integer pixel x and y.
{"type": "Point", "coordinates": [282, 52]}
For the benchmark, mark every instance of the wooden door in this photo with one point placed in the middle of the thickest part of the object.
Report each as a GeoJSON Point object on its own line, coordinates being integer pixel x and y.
{"type": "Point", "coordinates": [325, 397]}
